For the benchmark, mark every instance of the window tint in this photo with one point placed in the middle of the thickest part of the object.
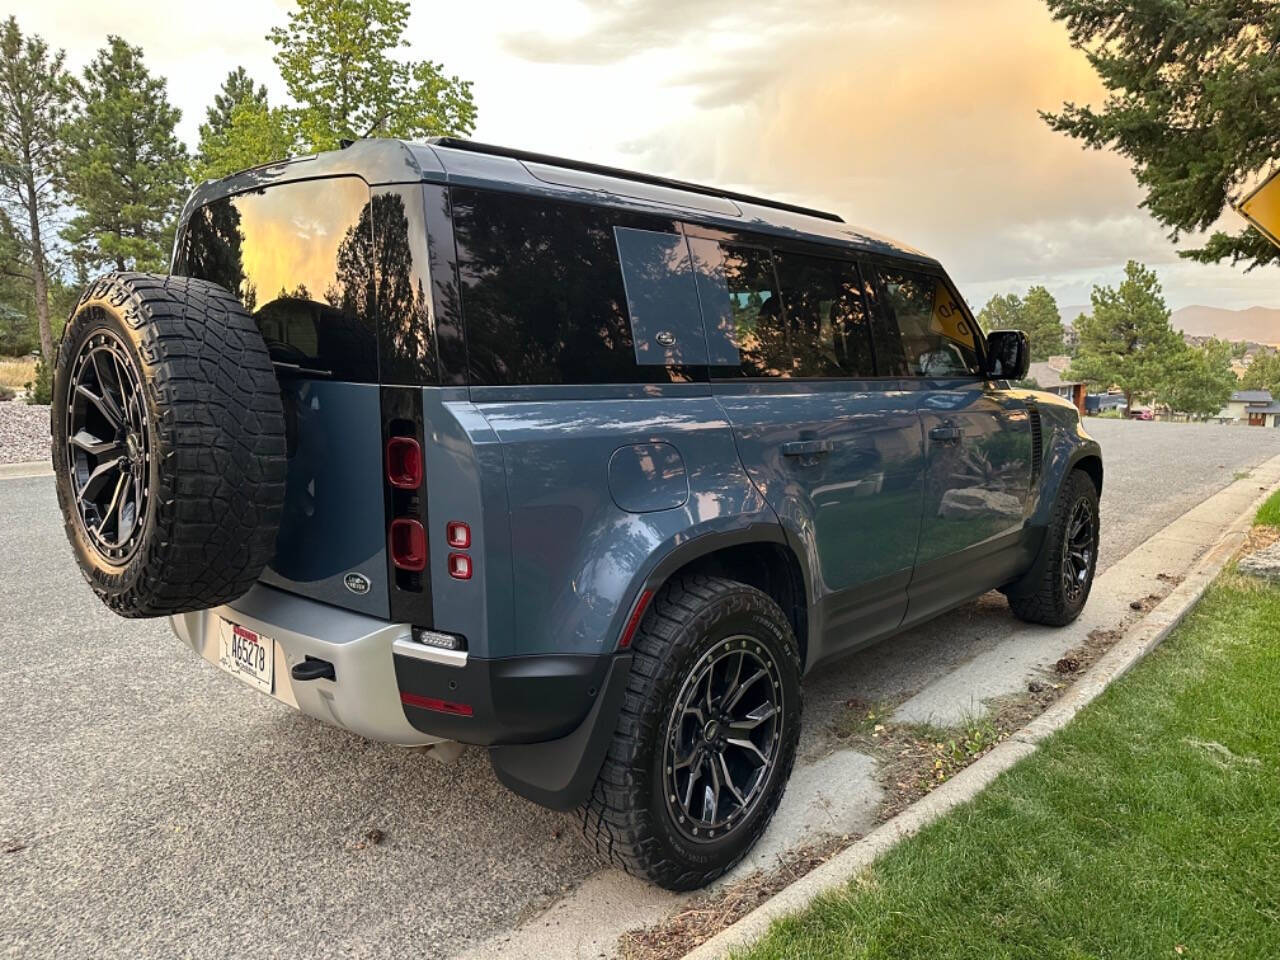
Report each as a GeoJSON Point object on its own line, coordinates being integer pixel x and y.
{"type": "Point", "coordinates": [300, 258]}
{"type": "Point", "coordinates": [937, 337]}
{"type": "Point", "coordinates": [825, 323]}
{"type": "Point", "coordinates": [542, 293]}
{"type": "Point", "coordinates": [662, 298]}
{"type": "Point", "coordinates": [789, 315]}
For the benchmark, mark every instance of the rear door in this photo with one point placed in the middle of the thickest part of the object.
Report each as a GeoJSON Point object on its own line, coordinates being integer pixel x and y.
{"type": "Point", "coordinates": [835, 451]}
{"type": "Point", "coordinates": [300, 256]}
{"type": "Point", "coordinates": [978, 441]}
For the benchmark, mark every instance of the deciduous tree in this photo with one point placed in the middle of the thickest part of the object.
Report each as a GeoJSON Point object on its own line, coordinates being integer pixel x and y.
{"type": "Point", "coordinates": [1193, 100]}
{"type": "Point", "coordinates": [126, 171]}
{"type": "Point", "coordinates": [1200, 382]}
{"type": "Point", "coordinates": [1036, 315]}
{"type": "Point", "coordinates": [34, 97]}
{"type": "Point", "coordinates": [337, 60]}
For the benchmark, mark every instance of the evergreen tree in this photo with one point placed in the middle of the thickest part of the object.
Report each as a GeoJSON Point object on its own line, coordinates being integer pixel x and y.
{"type": "Point", "coordinates": [1036, 315]}
{"type": "Point", "coordinates": [1043, 323]}
{"type": "Point", "coordinates": [34, 97]}
{"type": "Point", "coordinates": [335, 57]}
{"type": "Point", "coordinates": [1004, 311]}
{"type": "Point", "coordinates": [1193, 100]}
{"type": "Point", "coordinates": [1128, 341]}
{"type": "Point", "coordinates": [125, 168]}
{"type": "Point", "coordinates": [238, 88]}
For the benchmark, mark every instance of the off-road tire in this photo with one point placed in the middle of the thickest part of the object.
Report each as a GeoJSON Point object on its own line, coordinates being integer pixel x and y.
{"type": "Point", "coordinates": [1045, 600]}
{"type": "Point", "coordinates": [216, 443]}
{"type": "Point", "coordinates": [626, 820]}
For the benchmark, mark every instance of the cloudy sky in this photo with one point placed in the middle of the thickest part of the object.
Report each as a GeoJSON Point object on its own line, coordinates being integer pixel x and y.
{"type": "Point", "coordinates": [914, 118]}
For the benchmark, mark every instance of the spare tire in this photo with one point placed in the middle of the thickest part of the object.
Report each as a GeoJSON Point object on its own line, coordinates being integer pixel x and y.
{"type": "Point", "coordinates": [168, 444]}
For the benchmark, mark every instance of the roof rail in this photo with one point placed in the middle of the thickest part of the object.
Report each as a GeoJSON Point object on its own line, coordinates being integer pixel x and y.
{"type": "Point", "coordinates": [458, 143]}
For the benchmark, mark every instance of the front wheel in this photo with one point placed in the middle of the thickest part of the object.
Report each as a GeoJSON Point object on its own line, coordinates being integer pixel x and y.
{"type": "Point", "coordinates": [1064, 572]}
{"type": "Point", "coordinates": [707, 735]}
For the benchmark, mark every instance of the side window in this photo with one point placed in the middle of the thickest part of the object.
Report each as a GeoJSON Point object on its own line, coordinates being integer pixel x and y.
{"type": "Point", "coordinates": [755, 310]}
{"type": "Point", "coordinates": [937, 337]}
{"type": "Point", "coordinates": [825, 322]}
{"type": "Point", "coordinates": [300, 258]}
{"type": "Point", "coordinates": [543, 299]}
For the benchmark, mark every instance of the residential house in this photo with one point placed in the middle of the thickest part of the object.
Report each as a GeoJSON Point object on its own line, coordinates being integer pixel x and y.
{"type": "Point", "coordinates": [1049, 378]}
{"type": "Point", "coordinates": [1257, 408]}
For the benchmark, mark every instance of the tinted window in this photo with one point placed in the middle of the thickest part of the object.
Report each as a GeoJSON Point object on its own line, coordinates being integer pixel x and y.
{"type": "Point", "coordinates": [936, 336]}
{"type": "Point", "coordinates": [789, 315]}
{"type": "Point", "coordinates": [662, 298]}
{"type": "Point", "coordinates": [755, 308]}
{"type": "Point", "coordinates": [542, 293]}
{"type": "Point", "coordinates": [825, 326]}
{"type": "Point", "coordinates": [300, 258]}
{"type": "Point", "coordinates": [406, 331]}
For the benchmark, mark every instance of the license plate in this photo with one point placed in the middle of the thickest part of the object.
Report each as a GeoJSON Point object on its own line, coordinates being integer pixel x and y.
{"type": "Point", "coordinates": [247, 655]}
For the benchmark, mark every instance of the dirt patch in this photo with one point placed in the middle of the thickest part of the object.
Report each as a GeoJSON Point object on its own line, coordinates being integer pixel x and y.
{"type": "Point", "coordinates": [1259, 538]}
{"type": "Point", "coordinates": [708, 914]}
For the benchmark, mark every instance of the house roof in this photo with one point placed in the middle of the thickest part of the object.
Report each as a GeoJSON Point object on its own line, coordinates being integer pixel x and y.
{"type": "Point", "coordinates": [1269, 408]}
{"type": "Point", "coordinates": [1047, 378]}
{"type": "Point", "coordinates": [1250, 396]}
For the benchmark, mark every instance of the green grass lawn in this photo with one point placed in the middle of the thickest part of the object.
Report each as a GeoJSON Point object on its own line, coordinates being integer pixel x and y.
{"type": "Point", "coordinates": [1269, 512]}
{"type": "Point", "coordinates": [1149, 827]}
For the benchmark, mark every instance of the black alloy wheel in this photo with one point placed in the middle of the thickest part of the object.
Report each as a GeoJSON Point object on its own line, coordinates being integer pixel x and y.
{"type": "Point", "coordinates": [722, 737]}
{"type": "Point", "coordinates": [108, 446]}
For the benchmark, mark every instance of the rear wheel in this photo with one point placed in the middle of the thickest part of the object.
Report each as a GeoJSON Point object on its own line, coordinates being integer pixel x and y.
{"type": "Point", "coordinates": [1064, 572]}
{"type": "Point", "coordinates": [707, 735]}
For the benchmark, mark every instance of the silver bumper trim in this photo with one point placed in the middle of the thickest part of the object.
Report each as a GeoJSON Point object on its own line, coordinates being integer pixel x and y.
{"type": "Point", "coordinates": [424, 651]}
{"type": "Point", "coordinates": [363, 697]}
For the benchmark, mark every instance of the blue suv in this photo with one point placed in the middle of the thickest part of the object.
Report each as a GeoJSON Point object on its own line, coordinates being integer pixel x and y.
{"type": "Point", "coordinates": [445, 442]}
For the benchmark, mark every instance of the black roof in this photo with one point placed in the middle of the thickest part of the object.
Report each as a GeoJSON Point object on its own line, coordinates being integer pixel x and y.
{"type": "Point", "coordinates": [463, 162]}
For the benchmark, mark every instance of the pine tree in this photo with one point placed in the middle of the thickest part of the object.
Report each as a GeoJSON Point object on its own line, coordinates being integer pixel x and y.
{"type": "Point", "coordinates": [335, 57]}
{"type": "Point", "coordinates": [34, 96]}
{"type": "Point", "coordinates": [1193, 100]}
{"type": "Point", "coordinates": [233, 125]}
{"type": "Point", "coordinates": [1036, 315]}
{"type": "Point", "coordinates": [126, 171]}
{"type": "Point", "coordinates": [1128, 341]}
{"type": "Point", "coordinates": [1043, 323]}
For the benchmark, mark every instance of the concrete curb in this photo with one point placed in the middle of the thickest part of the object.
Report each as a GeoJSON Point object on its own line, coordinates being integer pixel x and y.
{"type": "Point", "coordinates": [31, 468]}
{"type": "Point", "coordinates": [1144, 636]}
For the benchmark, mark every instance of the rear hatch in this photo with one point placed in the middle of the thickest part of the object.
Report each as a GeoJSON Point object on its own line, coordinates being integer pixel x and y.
{"type": "Point", "coordinates": [300, 256]}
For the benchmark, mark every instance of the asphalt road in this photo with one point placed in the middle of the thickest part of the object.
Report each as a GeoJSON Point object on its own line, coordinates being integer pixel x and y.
{"type": "Point", "coordinates": [151, 806]}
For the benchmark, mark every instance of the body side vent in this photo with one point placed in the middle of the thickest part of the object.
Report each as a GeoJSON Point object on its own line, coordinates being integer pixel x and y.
{"type": "Point", "coordinates": [1037, 442]}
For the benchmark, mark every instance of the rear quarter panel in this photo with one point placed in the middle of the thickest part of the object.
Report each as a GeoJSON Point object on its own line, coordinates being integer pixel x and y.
{"type": "Point", "coordinates": [577, 557]}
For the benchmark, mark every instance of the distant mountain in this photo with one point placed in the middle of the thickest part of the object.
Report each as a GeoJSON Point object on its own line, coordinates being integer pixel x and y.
{"type": "Point", "coordinates": [1256, 324]}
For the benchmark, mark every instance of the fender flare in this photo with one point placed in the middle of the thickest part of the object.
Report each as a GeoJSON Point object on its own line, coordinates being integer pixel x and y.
{"type": "Point", "coordinates": [560, 773]}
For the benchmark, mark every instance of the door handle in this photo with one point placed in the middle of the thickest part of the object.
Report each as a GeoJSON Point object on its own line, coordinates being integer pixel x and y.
{"type": "Point", "coordinates": [807, 448]}
{"type": "Point", "coordinates": [945, 434]}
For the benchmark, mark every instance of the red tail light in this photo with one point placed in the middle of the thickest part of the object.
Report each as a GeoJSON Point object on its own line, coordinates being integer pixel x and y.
{"type": "Point", "coordinates": [408, 543]}
{"type": "Point", "coordinates": [404, 463]}
{"type": "Point", "coordinates": [439, 706]}
{"type": "Point", "coordinates": [459, 566]}
{"type": "Point", "coordinates": [458, 534]}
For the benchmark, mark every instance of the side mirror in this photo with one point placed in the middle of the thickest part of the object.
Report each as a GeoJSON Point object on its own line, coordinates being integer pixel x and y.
{"type": "Point", "coordinates": [1008, 355]}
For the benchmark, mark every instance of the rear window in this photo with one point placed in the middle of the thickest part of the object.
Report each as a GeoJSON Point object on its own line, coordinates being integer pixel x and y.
{"type": "Point", "coordinates": [543, 298]}
{"type": "Point", "coordinates": [299, 256]}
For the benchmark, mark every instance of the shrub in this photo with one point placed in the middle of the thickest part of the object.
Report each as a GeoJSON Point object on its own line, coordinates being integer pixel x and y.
{"type": "Point", "coordinates": [40, 390]}
{"type": "Point", "coordinates": [6, 393]}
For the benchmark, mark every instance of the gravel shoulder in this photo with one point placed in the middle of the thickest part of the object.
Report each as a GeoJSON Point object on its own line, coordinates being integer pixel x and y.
{"type": "Point", "coordinates": [24, 431]}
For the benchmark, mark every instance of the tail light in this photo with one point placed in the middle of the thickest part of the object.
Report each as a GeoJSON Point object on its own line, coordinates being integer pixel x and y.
{"type": "Point", "coordinates": [459, 566]}
{"type": "Point", "coordinates": [408, 542]}
{"type": "Point", "coordinates": [404, 463]}
{"type": "Point", "coordinates": [457, 534]}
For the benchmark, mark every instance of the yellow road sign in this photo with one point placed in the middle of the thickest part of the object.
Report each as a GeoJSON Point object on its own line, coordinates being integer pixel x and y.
{"type": "Point", "coordinates": [1262, 208]}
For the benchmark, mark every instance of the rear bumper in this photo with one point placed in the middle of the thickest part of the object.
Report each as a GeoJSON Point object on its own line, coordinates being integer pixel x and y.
{"type": "Point", "coordinates": [362, 697]}
{"type": "Point", "coordinates": [547, 720]}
